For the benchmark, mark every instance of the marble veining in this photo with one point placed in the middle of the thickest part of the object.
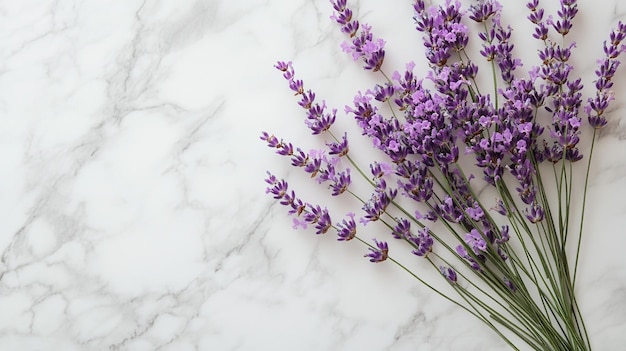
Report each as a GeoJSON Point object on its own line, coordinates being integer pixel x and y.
{"type": "Point", "coordinates": [132, 208]}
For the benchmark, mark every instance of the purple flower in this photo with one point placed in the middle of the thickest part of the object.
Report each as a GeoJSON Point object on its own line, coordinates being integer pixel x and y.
{"type": "Point", "coordinates": [339, 148]}
{"type": "Point", "coordinates": [499, 207]}
{"type": "Point", "coordinates": [318, 119]}
{"type": "Point", "coordinates": [420, 126]}
{"type": "Point", "coordinates": [462, 252]}
{"type": "Point", "coordinates": [422, 242]}
{"type": "Point", "coordinates": [383, 94]}
{"type": "Point", "coordinates": [378, 253]}
{"type": "Point", "coordinates": [300, 159]}
{"type": "Point", "coordinates": [509, 284]}
{"type": "Point", "coordinates": [449, 210]}
{"type": "Point", "coordinates": [380, 169]}
{"type": "Point", "coordinates": [419, 186]}
{"type": "Point", "coordinates": [377, 205]}
{"type": "Point", "coordinates": [286, 68]}
{"type": "Point", "coordinates": [475, 240]}
{"type": "Point", "coordinates": [475, 212]}
{"type": "Point", "coordinates": [307, 99]}
{"type": "Point", "coordinates": [566, 14]}
{"type": "Point", "coordinates": [553, 154]}
{"type": "Point", "coordinates": [534, 213]}
{"type": "Point", "coordinates": [320, 218]}
{"type": "Point", "coordinates": [448, 273]}
{"type": "Point", "coordinates": [536, 17]}
{"type": "Point", "coordinates": [341, 182]}
{"type": "Point", "coordinates": [504, 235]}
{"type": "Point", "coordinates": [596, 106]}
{"type": "Point", "coordinates": [311, 214]}
{"type": "Point", "coordinates": [362, 45]}
{"type": "Point", "coordinates": [402, 229]}
{"type": "Point", "coordinates": [346, 230]}
{"type": "Point", "coordinates": [314, 165]}
{"type": "Point", "coordinates": [430, 216]}
{"type": "Point", "coordinates": [271, 140]}
{"type": "Point", "coordinates": [443, 31]}
{"type": "Point", "coordinates": [278, 188]}
{"type": "Point", "coordinates": [484, 10]}
{"type": "Point", "coordinates": [298, 87]}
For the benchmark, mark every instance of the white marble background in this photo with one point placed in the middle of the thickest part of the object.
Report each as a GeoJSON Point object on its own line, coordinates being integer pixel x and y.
{"type": "Point", "coordinates": [133, 213]}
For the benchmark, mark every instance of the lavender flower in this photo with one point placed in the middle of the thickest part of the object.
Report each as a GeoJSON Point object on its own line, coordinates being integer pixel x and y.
{"type": "Point", "coordinates": [422, 242]}
{"type": "Point", "coordinates": [402, 229]}
{"type": "Point", "coordinates": [379, 253]}
{"type": "Point", "coordinates": [445, 34]}
{"type": "Point", "coordinates": [312, 214]}
{"type": "Point", "coordinates": [566, 13]}
{"type": "Point", "coordinates": [449, 210]}
{"type": "Point", "coordinates": [339, 148]}
{"type": "Point", "coordinates": [462, 252]}
{"type": "Point", "coordinates": [500, 208]}
{"type": "Point", "coordinates": [475, 240]}
{"type": "Point", "coordinates": [475, 212]}
{"type": "Point", "coordinates": [419, 185]}
{"type": "Point", "coordinates": [340, 182]}
{"type": "Point", "coordinates": [380, 169]}
{"type": "Point", "coordinates": [315, 162]}
{"type": "Point", "coordinates": [536, 17]}
{"type": "Point", "coordinates": [483, 10]}
{"type": "Point", "coordinates": [377, 205]}
{"type": "Point", "coordinates": [448, 273]}
{"type": "Point", "coordinates": [504, 235]}
{"type": "Point", "coordinates": [535, 213]}
{"type": "Point", "coordinates": [596, 106]}
{"type": "Point", "coordinates": [319, 217]}
{"type": "Point", "coordinates": [346, 230]}
{"type": "Point", "coordinates": [509, 284]}
{"type": "Point", "coordinates": [363, 44]}
{"type": "Point", "coordinates": [318, 119]}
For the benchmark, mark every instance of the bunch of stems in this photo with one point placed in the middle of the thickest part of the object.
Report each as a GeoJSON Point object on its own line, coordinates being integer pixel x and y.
{"type": "Point", "coordinates": [523, 288]}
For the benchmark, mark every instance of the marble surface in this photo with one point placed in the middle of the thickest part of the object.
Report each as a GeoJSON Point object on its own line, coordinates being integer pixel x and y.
{"type": "Point", "coordinates": [133, 213]}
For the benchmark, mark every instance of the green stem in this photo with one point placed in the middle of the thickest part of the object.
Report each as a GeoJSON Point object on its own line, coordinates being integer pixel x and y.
{"type": "Point", "coordinates": [582, 215]}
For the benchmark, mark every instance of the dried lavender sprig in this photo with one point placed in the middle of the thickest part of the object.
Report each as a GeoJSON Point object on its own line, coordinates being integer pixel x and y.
{"type": "Point", "coordinates": [555, 70]}
{"type": "Point", "coordinates": [363, 45]}
{"type": "Point", "coordinates": [316, 162]}
{"type": "Point", "coordinates": [564, 107]}
{"type": "Point", "coordinates": [445, 33]}
{"type": "Point", "coordinates": [566, 14]}
{"type": "Point", "coordinates": [595, 109]}
{"type": "Point", "coordinates": [496, 44]}
{"type": "Point", "coordinates": [318, 119]}
{"type": "Point", "coordinates": [607, 66]}
{"type": "Point", "coordinates": [311, 214]}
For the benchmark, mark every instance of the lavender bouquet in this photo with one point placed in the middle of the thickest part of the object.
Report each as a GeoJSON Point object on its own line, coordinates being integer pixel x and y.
{"type": "Point", "coordinates": [444, 141]}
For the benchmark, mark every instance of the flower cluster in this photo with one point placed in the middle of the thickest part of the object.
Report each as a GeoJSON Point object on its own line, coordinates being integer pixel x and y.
{"type": "Point", "coordinates": [607, 67]}
{"type": "Point", "coordinates": [522, 134]}
{"type": "Point", "coordinates": [363, 45]}
{"type": "Point", "coordinates": [312, 214]}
